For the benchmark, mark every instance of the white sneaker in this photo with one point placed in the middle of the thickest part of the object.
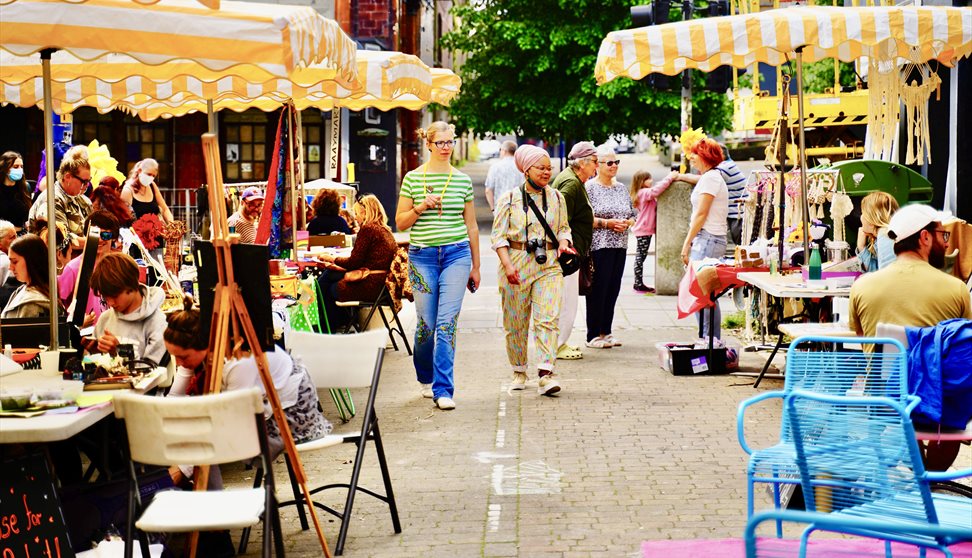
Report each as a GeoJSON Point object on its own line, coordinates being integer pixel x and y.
{"type": "Point", "coordinates": [519, 380]}
{"type": "Point", "coordinates": [445, 403]}
{"type": "Point", "coordinates": [614, 341]}
{"type": "Point", "coordinates": [426, 390]}
{"type": "Point", "coordinates": [548, 385]}
{"type": "Point", "coordinates": [599, 343]}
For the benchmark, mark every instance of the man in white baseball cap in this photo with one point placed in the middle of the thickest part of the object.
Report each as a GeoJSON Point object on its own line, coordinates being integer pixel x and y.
{"type": "Point", "coordinates": [911, 291]}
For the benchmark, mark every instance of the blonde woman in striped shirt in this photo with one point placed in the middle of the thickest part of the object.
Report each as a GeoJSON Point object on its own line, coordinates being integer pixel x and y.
{"type": "Point", "coordinates": [436, 204]}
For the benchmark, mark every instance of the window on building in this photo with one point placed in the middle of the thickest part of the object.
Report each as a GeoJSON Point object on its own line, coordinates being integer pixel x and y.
{"type": "Point", "coordinates": [150, 140]}
{"type": "Point", "coordinates": [315, 152]}
{"type": "Point", "coordinates": [246, 153]}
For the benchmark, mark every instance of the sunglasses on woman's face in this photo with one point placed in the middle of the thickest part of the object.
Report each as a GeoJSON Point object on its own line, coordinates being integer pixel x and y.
{"type": "Point", "coordinates": [611, 163]}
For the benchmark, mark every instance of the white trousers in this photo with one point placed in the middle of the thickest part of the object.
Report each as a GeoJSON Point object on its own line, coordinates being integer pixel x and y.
{"type": "Point", "coordinates": [568, 306]}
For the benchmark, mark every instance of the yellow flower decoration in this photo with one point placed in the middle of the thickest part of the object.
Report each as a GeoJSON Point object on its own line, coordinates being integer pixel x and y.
{"type": "Point", "coordinates": [688, 139]}
{"type": "Point", "coordinates": [102, 163]}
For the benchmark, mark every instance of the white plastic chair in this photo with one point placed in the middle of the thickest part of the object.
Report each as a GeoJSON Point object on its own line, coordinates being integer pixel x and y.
{"type": "Point", "coordinates": [203, 430]}
{"type": "Point", "coordinates": [346, 361]}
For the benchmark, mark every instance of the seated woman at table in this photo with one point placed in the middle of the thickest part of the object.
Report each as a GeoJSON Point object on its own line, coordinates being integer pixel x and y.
{"type": "Point", "coordinates": [361, 275]}
{"type": "Point", "coordinates": [327, 218]}
{"type": "Point", "coordinates": [874, 249]}
{"type": "Point", "coordinates": [298, 396]}
{"type": "Point", "coordinates": [28, 263]}
{"type": "Point", "coordinates": [134, 310]}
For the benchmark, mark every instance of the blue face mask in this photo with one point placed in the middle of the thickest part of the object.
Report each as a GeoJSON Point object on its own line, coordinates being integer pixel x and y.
{"type": "Point", "coordinates": [15, 174]}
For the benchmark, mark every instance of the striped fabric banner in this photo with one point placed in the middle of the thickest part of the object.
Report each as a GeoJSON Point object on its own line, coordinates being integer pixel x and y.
{"type": "Point", "coordinates": [914, 33]}
{"type": "Point", "coordinates": [241, 38]}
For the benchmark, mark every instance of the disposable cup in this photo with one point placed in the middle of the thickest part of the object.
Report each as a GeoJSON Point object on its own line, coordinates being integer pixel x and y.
{"type": "Point", "coordinates": [49, 362]}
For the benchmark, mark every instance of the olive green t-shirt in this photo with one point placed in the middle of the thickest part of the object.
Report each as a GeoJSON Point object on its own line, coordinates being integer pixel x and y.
{"type": "Point", "coordinates": [908, 293]}
{"type": "Point", "coordinates": [431, 228]}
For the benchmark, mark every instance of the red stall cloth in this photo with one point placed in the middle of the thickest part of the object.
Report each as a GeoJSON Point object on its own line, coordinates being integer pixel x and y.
{"type": "Point", "coordinates": [695, 290]}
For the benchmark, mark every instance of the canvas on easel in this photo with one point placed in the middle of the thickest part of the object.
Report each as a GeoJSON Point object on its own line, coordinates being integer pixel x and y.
{"type": "Point", "coordinates": [231, 323]}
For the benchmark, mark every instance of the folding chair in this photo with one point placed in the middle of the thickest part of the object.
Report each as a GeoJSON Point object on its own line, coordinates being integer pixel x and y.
{"type": "Point", "coordinates": [203, 430]}
{"type": "Point", "coordinates": [345, 361]}
{"type": "Point", "coordinates": [883, 372]}
{"type": "Point", "coordinates": [383, 300]}
{"type": "Point", "coordinates": [862, 474]}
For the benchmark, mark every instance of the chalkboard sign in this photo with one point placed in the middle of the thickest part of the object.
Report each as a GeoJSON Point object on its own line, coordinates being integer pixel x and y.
{"type": "Point", "coordinates": [31, 521]}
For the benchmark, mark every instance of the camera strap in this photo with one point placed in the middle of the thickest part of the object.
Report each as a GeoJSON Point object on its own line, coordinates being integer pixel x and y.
{"type": "Point", "coordinates": [527, 200]}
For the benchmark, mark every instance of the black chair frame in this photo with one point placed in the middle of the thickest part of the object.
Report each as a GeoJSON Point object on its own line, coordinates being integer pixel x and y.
{"type": "Point", "coordinates": [383, 300]}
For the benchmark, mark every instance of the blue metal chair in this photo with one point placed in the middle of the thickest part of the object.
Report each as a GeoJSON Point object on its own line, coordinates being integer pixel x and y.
{"type": "Point", "coordinates": [880, 370]}
{"type": "Point", "coordinates": [862, 474]}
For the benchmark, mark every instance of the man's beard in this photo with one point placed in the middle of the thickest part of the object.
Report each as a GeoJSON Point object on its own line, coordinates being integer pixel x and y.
{"type": "Point", "coordinates": [937, 256]}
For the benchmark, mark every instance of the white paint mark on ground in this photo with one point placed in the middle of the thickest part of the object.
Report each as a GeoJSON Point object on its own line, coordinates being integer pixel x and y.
{"type": "Point", "coordinates": [493, 517]}
{"type": "Point", "coordinates": [502, 408]}
{"type": "Point", "coordinates": [500, 438]}
{"type": "Point", "coordinates": [531, 477]}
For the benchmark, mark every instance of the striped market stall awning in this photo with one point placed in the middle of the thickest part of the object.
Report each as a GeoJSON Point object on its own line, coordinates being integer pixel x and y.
{"type": "Point", "coordinates": [916, 34]}
{"type": "Point", "coordinates": [178, 37]}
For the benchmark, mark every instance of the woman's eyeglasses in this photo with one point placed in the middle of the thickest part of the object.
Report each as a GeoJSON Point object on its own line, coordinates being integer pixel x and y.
{"type": "Point", "coordinates": [543, 169]}
{"type": "Point", "coordinates": [444, 144]}
{"type": "Point", "coordinates": [611, 163]}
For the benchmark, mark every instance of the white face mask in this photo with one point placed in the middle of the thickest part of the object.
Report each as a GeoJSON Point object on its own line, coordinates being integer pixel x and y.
{"type": "Point", "coordinates": [146, 179]}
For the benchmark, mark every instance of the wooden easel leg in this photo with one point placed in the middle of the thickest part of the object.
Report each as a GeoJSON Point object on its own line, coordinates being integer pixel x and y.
{"type": "Point", "coordinates": [243, 316]}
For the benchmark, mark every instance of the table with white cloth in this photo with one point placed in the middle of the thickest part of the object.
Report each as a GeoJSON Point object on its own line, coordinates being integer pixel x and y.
{"type": "Point", "coordinates": [56, 425]}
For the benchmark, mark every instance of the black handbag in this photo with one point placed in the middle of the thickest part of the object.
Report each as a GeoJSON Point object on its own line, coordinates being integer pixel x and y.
{"type": "Point", "coordinates": [569, 261]}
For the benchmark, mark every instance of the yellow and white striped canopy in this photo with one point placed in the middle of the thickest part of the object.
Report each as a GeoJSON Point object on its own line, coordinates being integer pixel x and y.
{"type": "Point", "coordinates": [445, 86]}
{"type": "Point", "coordinates": [212, 4]}
{"type": "Point", "coordinates": [913, 33]}
{"type": "Point", "coordinates": [387, 80]}
{"type": "Point", "coordinates": [241, 38]}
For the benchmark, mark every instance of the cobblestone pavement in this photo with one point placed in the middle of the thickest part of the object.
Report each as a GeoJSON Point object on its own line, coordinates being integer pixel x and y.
{"type": "Point", "coordinates": [627, 452]}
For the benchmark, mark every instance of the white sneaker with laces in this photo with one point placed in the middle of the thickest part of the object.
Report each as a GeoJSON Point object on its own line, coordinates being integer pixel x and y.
{"type": "Point", "coordinates": [519, 380]}
{"type": "Point", "coordinates": [548, 385]}
{"type": "Point", "coordinates": [426, 390]}
{"type": "Point", "coordinates": [445, 403]}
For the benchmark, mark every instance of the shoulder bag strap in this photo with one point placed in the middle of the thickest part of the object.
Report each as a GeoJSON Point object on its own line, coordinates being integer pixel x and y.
{"type": "Point", "coordinates": [543, 221]}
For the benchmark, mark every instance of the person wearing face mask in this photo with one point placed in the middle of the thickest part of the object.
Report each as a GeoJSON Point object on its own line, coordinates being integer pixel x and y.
{"type": "Point", "coordinates": [582, 166]}
{"type": "Point", "coordinates": [141, 191]}
{"type": "Point", "coordinates": [70, 205]}
{"type": "Point", "coordinates": [14, 194]}
{"type": "Point", "coordinates": [527, 285]}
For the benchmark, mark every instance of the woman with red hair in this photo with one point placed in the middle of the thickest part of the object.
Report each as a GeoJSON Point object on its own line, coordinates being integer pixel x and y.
{"type": "Point", "coordinates": [706, 237]}
{"type": "Point", "coordinates": [107, 197]}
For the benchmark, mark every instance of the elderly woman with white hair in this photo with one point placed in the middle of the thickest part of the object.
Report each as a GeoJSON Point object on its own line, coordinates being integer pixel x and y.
{"type": "Point", "coordinates": [613, 215]}
{"type": "Point", "coordinates": [582, 166]}
{"type": "Point", "coordinates": [530, 278]}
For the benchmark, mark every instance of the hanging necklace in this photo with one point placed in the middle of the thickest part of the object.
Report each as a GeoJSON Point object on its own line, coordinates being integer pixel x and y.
{"type": "Point", "coordinates": [429, 189]}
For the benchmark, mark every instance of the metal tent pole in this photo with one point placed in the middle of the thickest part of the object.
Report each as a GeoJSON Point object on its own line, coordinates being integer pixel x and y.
{"type": "Point", "coordinates": [803, 159]}
{"type": "Point", "coordinates": [51, 194]}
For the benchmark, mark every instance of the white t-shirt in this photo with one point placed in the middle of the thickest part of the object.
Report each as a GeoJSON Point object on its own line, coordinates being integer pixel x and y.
{"type": "Point", "coordinates": [712, 183]}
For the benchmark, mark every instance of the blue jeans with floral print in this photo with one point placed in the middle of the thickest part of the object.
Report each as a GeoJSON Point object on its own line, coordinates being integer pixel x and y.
{"type": "Point", "coordinates": [439, 275]}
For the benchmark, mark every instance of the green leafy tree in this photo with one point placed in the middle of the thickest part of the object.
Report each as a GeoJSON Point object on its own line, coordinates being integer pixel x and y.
{"type": "Point", "coordinates": [819, 76]}
{"type": "Point", "coordinates": [529, 69]}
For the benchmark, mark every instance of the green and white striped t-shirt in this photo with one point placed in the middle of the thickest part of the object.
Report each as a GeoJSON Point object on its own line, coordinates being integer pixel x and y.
{"type": "Point", "coordinates": [431, 229]}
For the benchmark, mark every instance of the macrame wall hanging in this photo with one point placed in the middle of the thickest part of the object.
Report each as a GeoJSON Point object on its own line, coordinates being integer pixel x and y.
{"type": "Point", "coordinates": [884, 94]}
{"type": "Point", "coordinates": [915, 97]}
{"type": "Point", "coordinates": [889, 87]}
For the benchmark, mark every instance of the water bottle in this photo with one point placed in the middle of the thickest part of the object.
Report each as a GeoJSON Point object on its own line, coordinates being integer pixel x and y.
{"type": "Point", "coordinates": [814, 272]}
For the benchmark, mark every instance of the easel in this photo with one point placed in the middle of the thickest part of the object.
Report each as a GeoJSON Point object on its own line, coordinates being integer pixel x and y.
{"type": "Point", "coordinates": [229, 310]}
